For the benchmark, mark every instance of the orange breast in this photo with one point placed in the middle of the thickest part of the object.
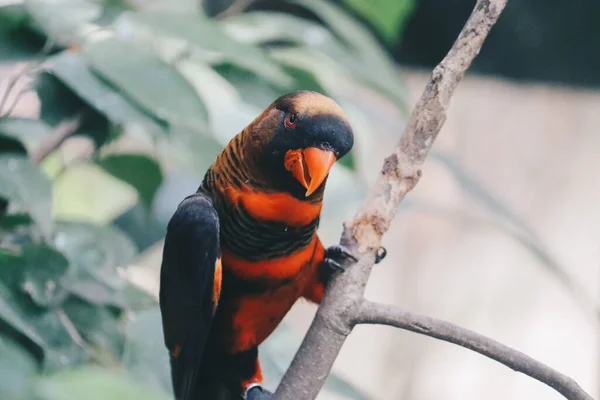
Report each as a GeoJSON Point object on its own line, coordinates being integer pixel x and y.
{"type": "Point", "coordinates": [276, 268]}
{"type": "Point", "coordinates": [257, 316]}
{"type": "Point", "coordinates": [274, 206]}
{"type": "Point", "coordinates": [249, 319]}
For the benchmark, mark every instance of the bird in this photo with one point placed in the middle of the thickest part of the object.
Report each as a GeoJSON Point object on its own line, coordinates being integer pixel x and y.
{"type": "Point", "coordinates": [242, 249]}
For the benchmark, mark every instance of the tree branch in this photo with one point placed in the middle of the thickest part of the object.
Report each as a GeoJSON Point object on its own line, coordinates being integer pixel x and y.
{"type": "Point", "coordinates": [57, 137]}
{"type": "Point", "coordinates": [383, 314]}
{"type": "Point", "coordinates": [344, 304]}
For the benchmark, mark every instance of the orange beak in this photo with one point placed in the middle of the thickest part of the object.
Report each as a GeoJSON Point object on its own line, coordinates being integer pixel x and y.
{"type": "Point", "coordinates": [309, 166]}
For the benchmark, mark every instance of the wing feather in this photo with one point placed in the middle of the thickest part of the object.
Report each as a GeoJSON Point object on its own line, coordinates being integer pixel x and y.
{"type": "Point", "coordinates": [188, 290]}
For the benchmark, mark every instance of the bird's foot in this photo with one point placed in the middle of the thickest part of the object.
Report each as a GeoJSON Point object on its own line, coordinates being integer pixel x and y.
{"type": "Point", "coordinates": [336, 255]}
{"type": "Point", "coordinates": [258, 393]}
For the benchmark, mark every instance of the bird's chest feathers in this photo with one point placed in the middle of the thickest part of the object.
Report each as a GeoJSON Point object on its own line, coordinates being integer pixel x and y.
{"type": "Point", "coordinates": [254, 316]}
{"type": "Point", "coordinates": [266, 233]}
{"type": "Point", "coordinates": [278, 207]}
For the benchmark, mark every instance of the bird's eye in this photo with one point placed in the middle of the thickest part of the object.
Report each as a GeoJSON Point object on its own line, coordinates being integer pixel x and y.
{"type": "Point", "coordinates": [291, 121]}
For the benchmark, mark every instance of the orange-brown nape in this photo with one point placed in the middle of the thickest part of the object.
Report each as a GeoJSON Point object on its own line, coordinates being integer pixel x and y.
{"type": "Point", "coordinates": [290, 147]}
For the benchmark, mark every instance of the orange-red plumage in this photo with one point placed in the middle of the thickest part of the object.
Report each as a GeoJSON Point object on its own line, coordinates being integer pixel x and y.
{"type": "Point", "coordinates": [266, 187]}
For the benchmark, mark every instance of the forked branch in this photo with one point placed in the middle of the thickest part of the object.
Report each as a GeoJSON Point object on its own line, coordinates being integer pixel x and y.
{"type": "Point", "coordinates": [344, 304]}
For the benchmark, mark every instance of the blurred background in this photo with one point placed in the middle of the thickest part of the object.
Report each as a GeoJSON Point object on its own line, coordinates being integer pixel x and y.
{"type": "Point", "coordinates": [111, 111]}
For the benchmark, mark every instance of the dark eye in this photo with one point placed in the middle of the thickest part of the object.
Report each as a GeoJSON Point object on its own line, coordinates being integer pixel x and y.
{"type": "Point", "coordinates": [291, 121]}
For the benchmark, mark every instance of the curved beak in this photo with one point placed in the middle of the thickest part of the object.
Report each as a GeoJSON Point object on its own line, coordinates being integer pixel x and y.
{"type": "Point", "coordinates": [309, 166]}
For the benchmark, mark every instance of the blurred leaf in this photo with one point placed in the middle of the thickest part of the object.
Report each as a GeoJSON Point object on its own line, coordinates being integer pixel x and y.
{"type": "Point", "coordinates": [42, 331]}
{"type": "Point", "coordinates": [29, 132]}
{"type": "Point", "coordinates": [146, 357]}
{"type": "Point", "coordinates": [252, 89]}
{"type": "Point", "coordinates": [140, 225]}
{"type": "Point", "coordinates": [146, 80]}
{"type": "Point", "coordinates": [387, 16]}
{"type": "Point", "coordinates": [98, 326]}
{"type": "Point", "coordinates": [43, 271]}
{"type": "Point", "coordinates": [63, 20]}
{"type": "Point", "coordinates": [213, 43]}
{"type": "Point", "coordinates": [12, 316]}
{"type": "Point", "coordinates": [9, 144]}
{"type": "Point", "coordinates": [370, 66]}
{"type": "Point", "coordinates": [18, 368]}
{"type": "Point", "coordinates": [92, 383]}
{"type": "Point", "coordinates": [137, 298]}
{"type": "Point", "coordinates": [24, 184]}
{"type": "Point", "coordinates": [375, 60]}
{"type": "Point", "coordinates": [138, 170]}
{"type": "Point", "coordinates": [11, 221]}
{"type": "Point", "coordinates": [58, 102]}
{"type": "Point", "coordinates": [98, 252]}
{"type": "Point", "coordinates": [13, 16]}
{"type": "Point", "coordinates": [228, 112]}
{"type": "Point", "coordinates": [178, 185]}
{"type": "Point", "coordinates": [71, 69]}
{"type": "Point", "coordinates": [86, 192]}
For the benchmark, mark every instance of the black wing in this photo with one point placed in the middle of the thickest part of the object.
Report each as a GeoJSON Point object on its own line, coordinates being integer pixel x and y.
{"type": "Point", "coordinates": [187, 275]}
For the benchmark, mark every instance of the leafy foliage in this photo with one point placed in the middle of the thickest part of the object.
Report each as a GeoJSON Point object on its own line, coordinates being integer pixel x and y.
{"type": "Point", "coordinates": [159, 90]}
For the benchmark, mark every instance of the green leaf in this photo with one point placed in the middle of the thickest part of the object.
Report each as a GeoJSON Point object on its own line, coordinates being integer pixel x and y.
{"type": "Point", "coordinates": [368, 63]}
{"type": "Point", "coordinates": [44, 270]}
{"type": "Point", "coordinates": [25, 185]}
{"type": "Point", "coordinates": [213, 44]}
{"type": "Point", "coordinates": [63, 20]}
{"type": "Point", "coordinates": [42, 330]}
{"type": "Point", "coordinates": [86, 192]}
{"type": "Point", "coordinates": [19, 369]}
{"type": "Point", "coordinates": [387, 16]}
{"type": "Point", "coordinates": [146, 357]}
{"type": "Point", "coordinates": [138, 170]}
{"type": "Point", "coordinates": [229, 114]}
{"type": "Point", "coordinates": [252, 89]}
{"type": "Point", "coordinates": [375, 60]}
{"type": "Point", "coordinates": [12, 316]}
{"type": "Point", "coordinates": [147, 81]}
{"type": "Point", "coordinates": [71, 69]}
{"type": "Point", "coordinates": [98, 326]}
{"type": "Point", "coordinates": [12, 221]}
{"type": "Point", "coordinates": [13, 16]}
{"type": "Point", "coordinates": [93, 383]}
{"type": "Point", "coordinates": [28, 132]}
{"type": "Point", "coordinates": [98, 252]}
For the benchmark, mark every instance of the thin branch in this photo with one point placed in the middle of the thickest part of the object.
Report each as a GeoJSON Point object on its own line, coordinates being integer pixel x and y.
{"type": "Point", "coordinates": [384, 314]}
{"type": "Point", "coordinates": [13, 80]}
{"type": "Point", "coordinates": [57, 137]}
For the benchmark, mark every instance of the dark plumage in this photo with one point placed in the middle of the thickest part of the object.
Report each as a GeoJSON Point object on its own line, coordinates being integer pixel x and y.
{"type": "Point", "coordinates": [258, 208]}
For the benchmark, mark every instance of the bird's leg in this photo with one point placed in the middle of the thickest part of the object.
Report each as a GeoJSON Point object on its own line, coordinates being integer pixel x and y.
{"type": "Point", "coordinates": [336, 255]}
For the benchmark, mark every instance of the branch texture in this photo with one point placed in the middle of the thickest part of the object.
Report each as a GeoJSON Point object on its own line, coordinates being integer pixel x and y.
{"type": "Point", "coordinates": [343, 305]}
{"type": "Point", "coordinates": [383, 314]}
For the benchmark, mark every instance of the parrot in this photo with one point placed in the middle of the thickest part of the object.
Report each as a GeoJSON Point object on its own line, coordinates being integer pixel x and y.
{"type": "Point", "coordinates": [242, 249]}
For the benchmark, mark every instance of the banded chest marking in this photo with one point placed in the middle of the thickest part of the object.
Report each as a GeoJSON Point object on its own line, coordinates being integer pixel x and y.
{"type": "Point", "coordinates": [256, 239]}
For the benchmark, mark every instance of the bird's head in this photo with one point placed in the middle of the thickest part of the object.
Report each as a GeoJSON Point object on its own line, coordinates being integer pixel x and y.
{"type": "Point", "coordinates": [302, 134]}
